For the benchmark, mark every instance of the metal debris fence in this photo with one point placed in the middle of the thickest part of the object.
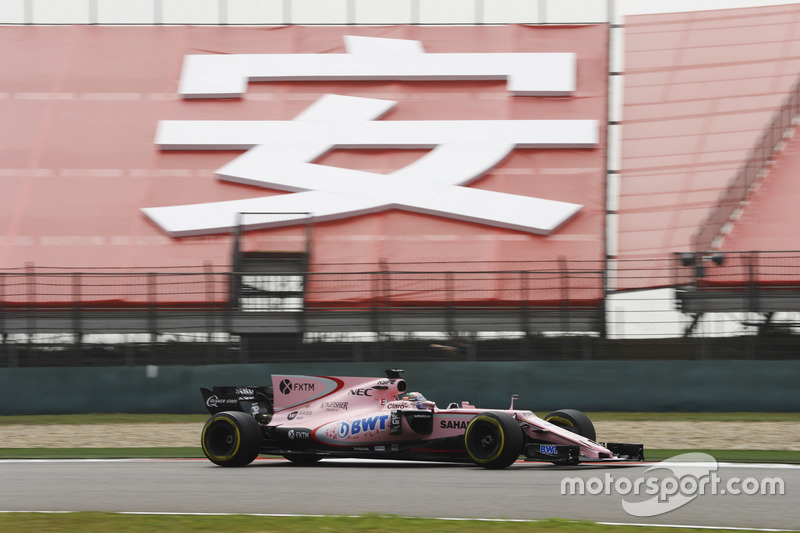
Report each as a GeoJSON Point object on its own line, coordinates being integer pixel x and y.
{"type": "Point", "coordinates": [556, 311]}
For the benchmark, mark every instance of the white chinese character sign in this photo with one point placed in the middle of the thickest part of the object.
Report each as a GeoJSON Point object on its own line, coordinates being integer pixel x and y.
{"type": "Point", "coordinates": [281, 154]}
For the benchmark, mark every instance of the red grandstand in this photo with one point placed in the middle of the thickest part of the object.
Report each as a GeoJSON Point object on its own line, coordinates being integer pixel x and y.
{"type": "Point", "coordinates": [114, 164]}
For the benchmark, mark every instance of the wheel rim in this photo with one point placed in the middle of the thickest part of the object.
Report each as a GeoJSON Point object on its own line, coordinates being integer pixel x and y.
{"type": "Point", "coordinates": [221, 439]}
{"type": "Point", "coordinates": [485, 441]}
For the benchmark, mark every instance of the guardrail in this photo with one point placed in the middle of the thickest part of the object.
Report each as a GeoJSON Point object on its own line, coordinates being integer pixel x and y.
{"type": "Point", "coordinates": [274, 290]}
{"type": "Point", "coordinates": [707, 295]}
{"type": "Point", "coordinates": [215, 316]}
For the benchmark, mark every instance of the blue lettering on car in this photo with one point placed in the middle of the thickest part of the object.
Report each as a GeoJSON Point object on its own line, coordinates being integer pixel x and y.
{"type": "Point", "coordinates": [548, 449]}
{"type": "Point", "coordinates": [370, 423]}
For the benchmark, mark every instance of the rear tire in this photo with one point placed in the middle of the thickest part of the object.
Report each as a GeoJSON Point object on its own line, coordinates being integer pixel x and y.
{"type": "Point", "coordinates": [231, 438]}
{"type": "Point", "coordinates": [574, 421]}
{"type": "Point", "coordinates": [493, 440]}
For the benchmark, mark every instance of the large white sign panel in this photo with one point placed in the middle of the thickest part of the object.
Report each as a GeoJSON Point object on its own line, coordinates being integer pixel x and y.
{"type": "Point", "coordinates": [281, 154]}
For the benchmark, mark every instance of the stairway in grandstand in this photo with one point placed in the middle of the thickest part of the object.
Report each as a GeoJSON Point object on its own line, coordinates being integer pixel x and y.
{"type": "Point", "coordinates": [746, 217]}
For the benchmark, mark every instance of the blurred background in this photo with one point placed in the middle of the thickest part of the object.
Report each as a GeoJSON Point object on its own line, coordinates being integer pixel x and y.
{"type": "Point", "coordinates": [681, 259]}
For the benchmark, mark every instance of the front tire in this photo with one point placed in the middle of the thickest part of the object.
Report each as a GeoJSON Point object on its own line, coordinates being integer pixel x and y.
{"type": "Point", "coordinates": [493, 440]}
{"type": "Point", "coordinates": [574, 421]}
{"type": "Point", "coordinates": [231, 438]}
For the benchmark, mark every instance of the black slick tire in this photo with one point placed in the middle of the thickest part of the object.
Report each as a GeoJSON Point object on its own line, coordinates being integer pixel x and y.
{"type": "Point", "coordinates": [493, 440]}
{"type": "Point", "coordinates": [574, 421]}
{"type": "Point", "coordinates": [231, 438]}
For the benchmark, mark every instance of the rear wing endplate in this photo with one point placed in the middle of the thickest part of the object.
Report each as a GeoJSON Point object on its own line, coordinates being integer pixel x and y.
{"type": "Point", "coordinates": [254, 400]}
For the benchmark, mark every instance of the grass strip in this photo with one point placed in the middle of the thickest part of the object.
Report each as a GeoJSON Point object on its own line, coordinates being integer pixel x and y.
{"type": "Point", "coordinates": [731, 456]}
{"type": "Point", "coordinates": [609, 416]}
{"type": "Point", "coordinates": [128, 523]}
{"type": "Point", "coordinates": [728, 456]}
{"type": "Point", "coordinates": [101, 419]}
{"type": "Point", "coordinates": [102, 453]}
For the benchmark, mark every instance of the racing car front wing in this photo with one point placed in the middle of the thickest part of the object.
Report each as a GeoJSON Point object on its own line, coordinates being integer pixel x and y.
{"type": "Point", "coordinates": [564, 454]}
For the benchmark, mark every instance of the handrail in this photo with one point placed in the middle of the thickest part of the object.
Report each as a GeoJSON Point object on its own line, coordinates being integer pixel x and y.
{"type": "Point", "coordinates": [34, 289]}
{"type": "Point", "coordinates": [758, 160]}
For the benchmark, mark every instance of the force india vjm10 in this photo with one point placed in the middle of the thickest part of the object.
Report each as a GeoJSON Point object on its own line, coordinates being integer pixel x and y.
{"type": "Point", "coordinates": [308, 418]}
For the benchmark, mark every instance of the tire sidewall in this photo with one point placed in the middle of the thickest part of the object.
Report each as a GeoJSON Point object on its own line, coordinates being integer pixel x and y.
{"type": "Point", "coordinates": [245, 434]}
{"type": "Point", "coordinates": [508, 439]}
{"type": "Point", "coordinates": [578, 422]}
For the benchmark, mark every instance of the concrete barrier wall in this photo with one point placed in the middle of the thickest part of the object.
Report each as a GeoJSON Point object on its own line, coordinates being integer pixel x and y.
{"type": "Point", "coordinates": [541, 386]}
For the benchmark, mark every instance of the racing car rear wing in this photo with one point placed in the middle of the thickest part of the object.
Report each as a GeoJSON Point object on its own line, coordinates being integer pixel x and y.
{"type": "Point", "coordinates": [254, 400]}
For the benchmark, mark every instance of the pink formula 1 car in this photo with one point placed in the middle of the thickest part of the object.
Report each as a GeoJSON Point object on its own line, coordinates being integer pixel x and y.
{"type": "Point", "coordinates": [308, 418]}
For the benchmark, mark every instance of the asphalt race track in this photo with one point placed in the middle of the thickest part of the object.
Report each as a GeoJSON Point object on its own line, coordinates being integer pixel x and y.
{"type": "Point", "coordinates": [269, 486]}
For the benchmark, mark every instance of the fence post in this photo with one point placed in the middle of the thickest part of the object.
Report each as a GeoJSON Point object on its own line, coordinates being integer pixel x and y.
{"type": "Point", "coordinates": [599, 345]}
{"type": "Point", "coordinates": [76, 309]}
{"type": "Point", "coordinates": [30, 303]}
{"type": "Point", "coordinates": [11, 348]}
{"type": "Point", "coordinates": [375, 307]}
{"type": "Point", "coordinates": [752, 300]}
{"type": "Point", "coordinates": [449, 307]}
{"type": "Point", "coordinates": [3, 333]}
{"type": "Point", "coordinates": [2, 308]}
{"type": "Point", "coordinates": [387, 311]}
{"type": "Point", "coordinates": [383, 304]}
{"type": "Point", "coordinates": [566, 343]}
{"type": "Point", "coordinates": [210, 302]}
{"type": "Point", "coordinates": [152, 321]}
{"type": "Point", "coordinates": [524, 312]}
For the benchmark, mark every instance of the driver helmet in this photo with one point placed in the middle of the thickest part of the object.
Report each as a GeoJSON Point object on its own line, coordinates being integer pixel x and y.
{"type": "Point", "coordinates": [413, 397]}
